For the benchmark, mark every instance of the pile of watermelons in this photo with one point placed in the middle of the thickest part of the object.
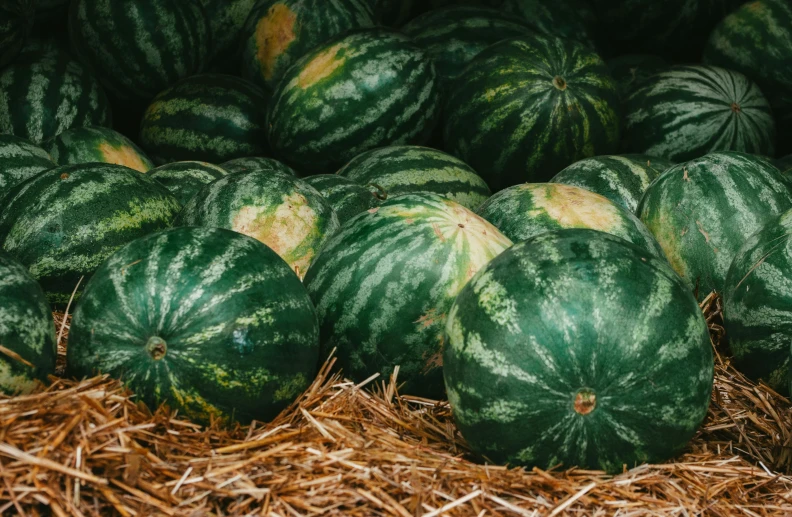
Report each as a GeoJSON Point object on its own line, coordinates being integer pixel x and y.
{"type": "Point", "coordinates": [518, 202]}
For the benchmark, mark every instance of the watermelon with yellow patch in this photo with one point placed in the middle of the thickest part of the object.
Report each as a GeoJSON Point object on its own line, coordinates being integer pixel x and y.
{"type": "Point", "coordinates": [97, 144]}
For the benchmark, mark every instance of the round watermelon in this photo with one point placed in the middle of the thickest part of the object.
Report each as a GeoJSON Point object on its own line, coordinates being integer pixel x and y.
{"type": "Point", "coordinates": [630, 70]}
{"type": "Point", "coordinates": [19, 160]}
{"type": "Point", "coordinates": [577, 348]}
{"type": "Point", "coordinates": [210, 321]}
{"type": "Point", "coordinates": [347, 197]}
{"type": "Point", "coordinates": [16, 20]}
{"type": "Point", "coordinates": [255, 163]}
{"type": "Point", "coordinates": [226, 20]}
{"type": "Point", "coordinates": [97, 144]}
{"type": "Point", "coordinates": [185, 179]}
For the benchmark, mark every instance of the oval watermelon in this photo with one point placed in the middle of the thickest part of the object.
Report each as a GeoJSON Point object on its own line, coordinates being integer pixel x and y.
{"type": "Point", "coordinates": [185, 179]}
{"type": "Point", "coordinates": [256, 163]}
{"type": "Point", "coordinates": [345, 196]}
{"type": "Point", "coordinates": [16, 20]}
{"type": "Point", "coordinates": [99, 145]}
{"type": "Point", "coordinates": [20, 160]}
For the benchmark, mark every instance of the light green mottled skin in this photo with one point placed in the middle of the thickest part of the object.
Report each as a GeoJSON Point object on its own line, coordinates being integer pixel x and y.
{"type": "Point", "coordinates": [702, 211]}
{"type": "Point", "coordinates": [347, 197]}
{"type": "Point", "coordinates": [622, 179]}
{"type": "Point", "coordinates": [369, 89]}
{"type": "Point", "coordinates": [26, 328]}
{"type": "Point", "coordinates": [99, 145]}
{"type": "Point", "coordinates": [226, 20]}
{"type": "Point", "coordinates": [689, 111]}
{"type": "Point", "coordinates": [63, 223]}
{"type": "Point", "coordinates": [20, 160]}
{"type": "Point", "coordinates": [255, 163]}
{"type": "Point", "coordinates": [240, 333]}
{"type": "Point", "coordinates": [384, 284]}
{"type": "Point", "coordinates": [407, 169]}
{"type": "Point", "coordinates": [526, 108]}
{"type": "Point", "coordinates": [185, 179]}
{"type": "Point", "coordinates": [16, 19]}
{"type": "Point", "coordinates": [630, 70]}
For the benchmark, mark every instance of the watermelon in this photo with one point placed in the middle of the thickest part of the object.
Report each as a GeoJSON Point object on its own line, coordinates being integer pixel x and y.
{"type": "Point", "coordinates": [47, 93]}
{"type": "Point", "coordinates": [525, 108]}
{"type": "Point", "coordinates": [369, 89]}
{"type": "Point", "coordinates": [283, 212]}
{"type": "Point", "coordinates": [210, 321]}
{"type": "Point", "coordinates": [63, 223]}
{"type": "Point", "coordinates": [345, 196]}
{"type": "Point", "coordinates": [630, 70]}
{"type": "Point", "coordinates": [383, 285]}
{"type": "Point", "coordinates": [27, 330]}
{"type": "Point", "coordinates": [185, 179]}
{"type": "Point", "coordinates": [226, 20]}
{"type": "Point", "coordinates": [572, 19]}
{"type": "Point", "coordinates": [16, 19]}
{"type": "Point", "coordinates": [577, 348]}
{"type": "Point", "coordinates": [96, 144]}
{"type": "Point", "coordinates": [19, 160]}
{"type": "Point", "coordinates": [622, 179]}
{"type": "Point", "coordinates": [279, 32]}
{"type": "Point", "coordinates": [255, 163]}
{"type": "Point", "coordinates": [701, 212]}
{"type": "Point", "coordinates": [140, 47]}
{"type": "Point", "coordinates": [405, 169]}
{"type": "Point", "coordinates": [688, 111]}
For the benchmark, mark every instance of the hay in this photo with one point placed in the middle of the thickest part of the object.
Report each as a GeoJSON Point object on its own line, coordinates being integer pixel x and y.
{"type": "Point", "coordinates": [86, 448]}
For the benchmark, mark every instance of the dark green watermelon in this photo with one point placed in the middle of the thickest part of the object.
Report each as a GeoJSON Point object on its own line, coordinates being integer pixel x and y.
{"type": "Point", "coordinates": [19, 160]}
{"type": "Point", "coordinates": [347, 197]}
{"type": "Point", "coordinates": [255, 163]}
{"type": "Point", "coordinates": [630, 70]}
{"type": "Point", "coordinates": [226, 20]}
{"type": "Point", "coordinates": [16, 19]}
{"type": "Point", "coordinates": [185, 179]}
{"type": "Point", "coordinates": [96, 144]}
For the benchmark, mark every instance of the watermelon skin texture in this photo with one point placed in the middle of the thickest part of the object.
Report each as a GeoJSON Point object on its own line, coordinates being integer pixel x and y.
{"type": "Point", "coordinates": [185, 179]}
{"type": "Point", "coordinates": [20, 159]}
{"type": "Point", "coordinates": [702, 211]}
{"type": "Point", "coordinates": [347, 198]}
{"type": "Point", "coordinates": [172, 42]}
{"type": "Point", "coordinates": [369, 89]}
{"type": "Point", "coordinates": [63, 223]}
{"type": "Point", "coordinates": [283, 212]}
{"type": "Point", "coordinates": [26, 328]}
{"type": "Point", "coordinates": [254, 163]}
{"type": "Point", "coordinates": [525, 108]}
{"type": "Point", "coordinates": [630, 70]}
{"type": "Point", "coordinates": [209, 117]}
{"type": "Point", "coordinates": [207, 320]}
{"type": "Point", "coordinates": [576, 347]}
{"type": "Point", "coordinates": [689, 111]}
{"type": "Point", "coordinates": [421, 244]}
{"type": "Point", "coordinates": [97, 144]}
{"type": "Point", "coordinates": [47, 93]}
{"type": "Point", "coordinates": [16, 20]}
{"type": "Point", "coordinates": [621, 178]}
{"type": "Point", "coordinates": [407, 169]}
{"type": "Point", "coordinates": [226, 20]}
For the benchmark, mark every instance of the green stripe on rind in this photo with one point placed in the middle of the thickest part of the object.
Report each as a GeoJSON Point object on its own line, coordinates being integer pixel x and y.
{"type": "Point", "coordinates": [568, 312]}
{"type": "Point", "coordinates": [47, 93]}
{"type": "Point", "coordinates": [622, 179]}
{"type": "Point", "coordinates": [688, 111]}
{"type": "Point", "coordinates": [63, 223]}
{"type": "Point", "coordinates": [226, 20]}
{"type": "Point", "coordinates": [140, 48]}
{"type": "Point", "coordinates": [511, 119]}
{"type": "Point", "coordinates": [210, 117]}
{"type": "Point", "coordinates": [366, 90]}
{"type": "Point", "coordinates": [16, 19]}
{"type": "Point", "coordinates": [283, 212]}
{"type": "Point", "coordinates": [631, 70]}
{"type": "Point", "coordinates": [383, 285]}
{"type": "Point", "coordinates": [345, 196]}
{"type": "Point", "coordinates": [20, 160]}
{"type": "Point", "coordinates": [240, 333]}
{"type": "Point", "coordinates": [99, 145]}
{"type": "Point", "coordinates": [26, 328]}
{"type": "Point", "coordinates": [185, 179]}
{"type": "Point", "coordinates": [702, 211]}
{"type": "Point", "coordinates": [255, 163]}
{"type": "Point", "coordinates": [405, 169]}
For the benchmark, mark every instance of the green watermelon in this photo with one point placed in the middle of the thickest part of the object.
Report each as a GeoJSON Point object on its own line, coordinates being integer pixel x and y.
{"type": "Point", "coordinates": [47, 93]}
{"type": "Point", "coordinates": [622, 179]}
{"type": "Point", "coordinates": [347, 197]}
{"type": "Point", "coordinates": [210, 117]}
{"type": "Point", "coordinates": [406, 169]}
{"type": "Point", "coordinates": [383, 285]}
{"type": "Point", "coordinates": [630, 70]}
{"type": "Point", "coordinates": [283, 212]}
{"type": "Point", "coordinates": [27, 330]}
{"type": "Point", "coordinates": [577, 348]}
{"type": "Point", "coordinates": [19, 160]}
{"type": "Point", "coordinates": [185, 179]}
{"type": "Point", "coordinates": [688, 111]}
{"type": "Point", "coordinates": [279, 32]}
{"type": "Point", "coordinates": [369, 89]}
{"type": "Point", "coordinates": [255, 163]}
{"type": "Point", "coordinates": [63, 223]}
{"type": "Point", "coordinates": [226, 20]}
{"type": "Point", "coordinates": [140, 47]}
{"type": "Point", "coordinates": [16, 19]}
{"type": "Point", "coordinates": [96, 144]}
{"type": "Point", "coordinates": [207, 320]}
{"type": "Point", "coordinates": [702, 211]}
{"type": "Point", "coordinates": [525, 108]}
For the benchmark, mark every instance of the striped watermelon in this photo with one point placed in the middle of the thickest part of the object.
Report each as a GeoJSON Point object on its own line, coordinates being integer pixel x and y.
{"type": "Point", "coordinates": [96, 144]}
{"type": "Point", "coordinates": [140, 47]}
{"type": "Point", "coordinates": [20, 160]}
{"type": "Point", "coordinates": [16, 19]}
{"type": "Point", "coordinates": [63, 223]}
{"type": "Point", "coordinates": [405, 169]}
{"type": "Point", "coordinates": [688, 111]}
{"type": "Point", "coordinates": [283, 212]}
{"type": "Point", "coordinates": [27, 331]}
{"type": "Point", "coordinates": [185, 179]}
{"type": "Point", "coordinates": [207, 320]}
{"type": "Point", "coordinates": [702, 211]}
{"type": "Point", "coordinates": [369, 89]}
{"type": "Point", "coordinates": [47, 93]}
{"type": "Point", "coordinates": [622, 179]}
{"type": "Point", "coordinates": [577, 348]}
{"type": "Point", "coordinates": [345, 196]}
{"type": "Point", "coordinates": [255, 163]}
{"type": "Point", "coordinates": [226, 20]}
{"type": "Point", "coordinates": [630, 70]}
{"type": "Point", "coordinates": [210, 117]}
{"type": "Point", "coordinates": [526, 108]}
{"type": "Point", "coordinates": [383, 286]}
